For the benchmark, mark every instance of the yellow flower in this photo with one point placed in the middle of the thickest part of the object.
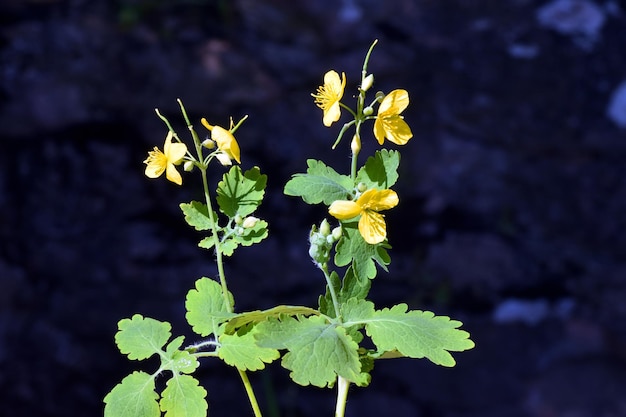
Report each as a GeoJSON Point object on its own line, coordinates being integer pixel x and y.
{"type": "Point", "coordinates": [389, 124]}
{"type": "Point", "coordinates": [371, 224]}
{"type": "Point", "coordinates": [226, 143]}
{"type": "Point", "coordinates": [158, 161]}
{"type": "Point", "coordinates": [328, 96]}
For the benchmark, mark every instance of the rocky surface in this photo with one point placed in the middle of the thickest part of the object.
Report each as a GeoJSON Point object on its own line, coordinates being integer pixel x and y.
{"type": "Point", "coordinates": [513, 191]}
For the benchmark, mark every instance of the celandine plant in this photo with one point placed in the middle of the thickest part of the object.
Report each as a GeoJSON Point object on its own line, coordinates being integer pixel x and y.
{"type": "Point", "coordinates": [323, 346]}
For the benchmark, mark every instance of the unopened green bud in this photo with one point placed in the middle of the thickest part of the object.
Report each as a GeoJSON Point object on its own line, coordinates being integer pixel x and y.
{"type": "Point", "coordinates": [367, 82]}
{"type": "Point", "coordinates": [380, 96]}
{"type": "Point", "coordinates": [188, 166]}
{"type": "Point", "coordinates": [325, 228]}
{"type": "Point", "coordinates": [368, 111]}
{"type": "Point", "coordinates": [361, 187]}
{"type": "Point", "coordinates": [238, 219]}
{"type": "Point", "coordinates": [336, 233]}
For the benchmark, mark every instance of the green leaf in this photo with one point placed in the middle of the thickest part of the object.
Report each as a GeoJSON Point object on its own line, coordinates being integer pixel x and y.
{"type": "Point", "coordinates": [242, 352]}
{"type": "Point", "coordinates": [177, 360]}
{"type": "Point", "coordinates": [206, 307]}
{"type": "Point", "coordinates": [140, 337]}
{"type": "Point", "coordinates": [320, 184]}
{"type": "Point", "coordinates": [352, 248]}
{"type": "Point", "coordinates": [183, 397]}
{"type": "Point", "coordinates": [197, 215]}
{"type": "Point", "coordinates": [257, 316]}
{"type": "Point", "coordinates": [133, 397]}
{"type": "Point", "coordinates": [318, 351]}
{"type": "Point", "coordinates": [348, 288]}
{"type": "Point", "coordinates": [380, 170]}
{"type": "Point", "coordinates": [416, 334]}
{"type": "Point", "coordinates": [239, 193]}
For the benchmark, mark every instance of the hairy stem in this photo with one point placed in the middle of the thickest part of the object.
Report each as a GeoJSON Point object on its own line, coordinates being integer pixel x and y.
{"type": "Point", "coordinates": [342, 396]}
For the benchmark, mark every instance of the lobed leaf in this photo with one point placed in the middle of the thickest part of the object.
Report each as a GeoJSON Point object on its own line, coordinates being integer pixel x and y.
{"type": "Point", "coordinates": [133, 397]}
{"type": "Point", "coordinates": [183, 397]}
{"type": "Point", "coordinates": [242, 352]}
{"type": "Point", "coordinates": [239, 193]}
{"type": "Point", "coordinates": [380, 170]}
{"type": "Point", "coordinates": [353, 249]}
{"type": "Point", "coordinates": [257, 316]}
{"type": "Point", "coordinates": [250, 236]}
{"type": "Point", "coordinates": [197, 215]}
{"type": "Point", "coordinates": [417, 334]}
{"type": "Point", "coordinates": [140, 337]}
{"type": "Point", "coordinates": [318, 351]}
{"type": "Point", "coordinates": [206, 307]}
{"type": "Point", "coordinates": [320, 184]}
{"type": "Point", "coordinates": [178, 361]}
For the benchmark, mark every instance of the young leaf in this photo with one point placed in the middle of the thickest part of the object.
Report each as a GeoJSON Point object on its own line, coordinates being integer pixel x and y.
{"type": "Point", "coordinates": [248, 237]}
{"type": "Point", "coordinates": [417, 334]}
{"type": "Point", "coordinates": [318, 350]}
{"type": "Point", "coordinates": [239, 193]}
{"type": "Point", "coordinates": [197, 215]}
{"type": "Point", "coordinates": [351, 248]}
{"type": "Point", "coordinates": [243, 352]}
{"type": "Point", "coordinates": [133, 397]}
{"type": "Point", "coordinates": [380, 170]}
{"type": "Point", "coordinates": [206, 307]}
{"type": "Point", "coordinates": [320, 184]}
{"type": "Point", "coordinates": [350, 287]}
{"type": "Point", "coordinates": [140, 337]}
{"type": "Point", "coordinates": [178, 361]}
{"type": "Point", "coordinates": [183, 397]}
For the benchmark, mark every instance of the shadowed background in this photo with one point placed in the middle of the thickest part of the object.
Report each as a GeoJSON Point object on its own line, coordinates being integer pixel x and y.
{"type": "Point", "coordinates": [512, 191]}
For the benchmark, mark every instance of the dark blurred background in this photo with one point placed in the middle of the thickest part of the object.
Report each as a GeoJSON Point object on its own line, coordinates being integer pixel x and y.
{"type": "Point", "coordinates": [513, 191]}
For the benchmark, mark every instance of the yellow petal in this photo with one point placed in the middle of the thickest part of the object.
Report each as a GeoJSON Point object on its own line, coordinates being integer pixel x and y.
{"type": "Point", "coordinates": [344, 209]}
{"type": "Point", "coordinates": [332, 114]}
{"type": "Point", "coordinates": [173, 175]}
{"type": "Point", "coordinates": [226, 142]}
{"type": "Point", "coordinates": [394, 102]}
{"type": "Point", "coordinates": [396, 129]}
{"type": "Point", "coordinates": [206, 124]}
{"type": "Point", "coordinates": [378, 200]}
{"type": "Point", "coordinates": [176, 152]}
{"type": "Point", "coordinates": [379, 130]}
{"type": "Point", "coordinates": [372, 227]}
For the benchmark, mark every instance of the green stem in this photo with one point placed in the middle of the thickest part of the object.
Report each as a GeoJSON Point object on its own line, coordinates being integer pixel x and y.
{"type": "Point", "coordinates": [218, 249]}
{"type": "Point", "coordinates": [342, 396]}
{"type": "Point", "coordinates": [333, 294]}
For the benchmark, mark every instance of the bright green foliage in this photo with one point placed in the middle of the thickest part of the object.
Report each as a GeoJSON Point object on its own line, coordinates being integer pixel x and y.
{"type": "Point", "coordinates": [416, 334]}
{"type": "Point", "coordinates": [183, 397]}
{"type": "Point", "coordinates": [140, 337]}
{"type": "Point", "coordinates": [207, 308]}
{"type": "Point", "coordinates": [320, 184]}
{"type": "Point", "coordinates": [352, 249]}
{"type": "Point", "coordinates": [240, 194]}
{"type": "Point", "coordinates": [318, 351]}
{"type": "Point", "coordinates": [197, 215]}
{"type": "Point", "coordinates": [381, 170]}
{"type": "Point", "coordinates": [133, 397]}
{"type": "Point", "coordinates": [242, 351]}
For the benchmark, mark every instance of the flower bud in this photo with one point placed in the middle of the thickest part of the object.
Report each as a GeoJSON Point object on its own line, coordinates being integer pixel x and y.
{"type": "Point", "coordinates": [238, 219]}
{"type": "Point", "coordinates": [208, 143]}
{"type": "Point", "coordinates": [361, 187]}
{"type": "Point", "coordinates": [368, 111]}
{"type": "Point", "coordinates": [188, 166]}
{"type": "Point", "coordinates": [224, 159]}
{"type": "Point", "coordinates": [367, 82]}
{"type": "Point", "coordinates": [249, 222]}
{"type": "Point", "coordinates": [355, 145]}
{"type": "Point", "coordinates": [380, 96]}
{"type": "Point", "coordinates": [325, 228]}
{"type": "Point", "coordinates": [336, 233]}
